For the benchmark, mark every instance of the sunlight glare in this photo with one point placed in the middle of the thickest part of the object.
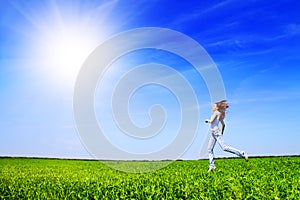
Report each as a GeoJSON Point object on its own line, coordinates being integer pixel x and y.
{"type": "Point", "coordinates": [60, 35]}
{"type": "Point", "coordinates": [63, 53]}
{"type": "Point", "coordinates": [67, 52]}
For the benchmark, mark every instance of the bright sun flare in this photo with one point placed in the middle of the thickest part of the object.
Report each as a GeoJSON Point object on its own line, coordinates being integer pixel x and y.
{"type": "Point", "coordinates": [62, 41]}
{"type": "Point", "coordinates": [64, 52]}
{"type": "Point", "coordinates": [60, 36]}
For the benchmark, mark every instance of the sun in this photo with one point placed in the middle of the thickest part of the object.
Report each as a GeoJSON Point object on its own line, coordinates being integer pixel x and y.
{"type": "Point", "coordinates": [61, 37]}
{"type": "Point", "coordinates": [64, 52]}
{"type": "Point", "coordinates": [61, 51]}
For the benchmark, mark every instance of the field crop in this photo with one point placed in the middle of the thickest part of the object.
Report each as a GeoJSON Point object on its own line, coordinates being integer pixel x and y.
{"type": "Point", "coordinates": [260, 178]}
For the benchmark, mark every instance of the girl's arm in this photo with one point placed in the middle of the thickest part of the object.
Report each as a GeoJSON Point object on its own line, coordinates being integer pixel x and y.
{"type": "Point", "coordinates": [223, 125]}
{"type": "Point", "coordinates": [213, 117]}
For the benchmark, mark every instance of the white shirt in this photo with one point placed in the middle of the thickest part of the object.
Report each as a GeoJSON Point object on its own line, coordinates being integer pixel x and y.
{"type": "Point", "coordinates": [215, 124]}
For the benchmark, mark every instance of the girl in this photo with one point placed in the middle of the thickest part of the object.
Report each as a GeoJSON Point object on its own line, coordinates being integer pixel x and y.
{"type": "Point", "coordinates": [218, 116]}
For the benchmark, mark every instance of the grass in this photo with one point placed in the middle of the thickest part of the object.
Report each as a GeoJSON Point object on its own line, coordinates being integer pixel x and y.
{"type": "Point", "coordinates": [260, 178]}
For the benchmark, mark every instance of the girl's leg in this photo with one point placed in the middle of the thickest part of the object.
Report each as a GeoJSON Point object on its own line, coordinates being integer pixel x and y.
{"type": "Point", "coordinates": [210, 148]}
{"type": "Point", "coordinates": [227, 148]}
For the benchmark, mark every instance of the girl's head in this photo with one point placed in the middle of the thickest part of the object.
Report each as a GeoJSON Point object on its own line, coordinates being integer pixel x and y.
{"type": "Point", "coordinates": [221, 106]}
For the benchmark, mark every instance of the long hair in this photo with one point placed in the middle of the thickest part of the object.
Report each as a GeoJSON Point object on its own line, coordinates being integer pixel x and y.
{"type": "Point", "coordinates": [222, 106]}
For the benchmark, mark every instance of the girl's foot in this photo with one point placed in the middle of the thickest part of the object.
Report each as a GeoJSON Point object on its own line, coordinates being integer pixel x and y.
{"type": "Point", "coordinates": [245, 156]}
{"type": "Point", "coordinates": [211, 169]}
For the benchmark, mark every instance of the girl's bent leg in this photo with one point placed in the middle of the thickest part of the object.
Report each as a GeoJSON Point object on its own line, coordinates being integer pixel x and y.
{"type": "Point", "coordinates": [228, 148]}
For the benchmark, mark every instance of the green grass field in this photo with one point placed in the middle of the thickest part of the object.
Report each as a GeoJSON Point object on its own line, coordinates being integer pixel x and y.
{"type": "Point", "coordinates": [260, 178]}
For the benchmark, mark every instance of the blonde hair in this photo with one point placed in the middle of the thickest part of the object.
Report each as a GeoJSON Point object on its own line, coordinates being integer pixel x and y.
{"type": "Point", "coordinates": [222, 106]}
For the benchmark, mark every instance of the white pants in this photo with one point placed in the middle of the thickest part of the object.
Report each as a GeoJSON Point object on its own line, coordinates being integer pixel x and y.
{"type": "Point", "coordinates": [216, 136]}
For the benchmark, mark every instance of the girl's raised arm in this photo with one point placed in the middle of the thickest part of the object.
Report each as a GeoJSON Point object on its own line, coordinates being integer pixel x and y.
{"type": "Point", "coordinates": [213, 117]}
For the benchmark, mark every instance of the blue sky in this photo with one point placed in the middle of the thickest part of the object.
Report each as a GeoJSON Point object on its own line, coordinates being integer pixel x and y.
{"type": "Point", "coordinates": [254, 44]}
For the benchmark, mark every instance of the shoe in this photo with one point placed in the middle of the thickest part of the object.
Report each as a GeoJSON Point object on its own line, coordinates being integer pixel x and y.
{"type": "Point", "coordinates": [211, 169]}
{"type": "Point", "coordinates": [245, 156]}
